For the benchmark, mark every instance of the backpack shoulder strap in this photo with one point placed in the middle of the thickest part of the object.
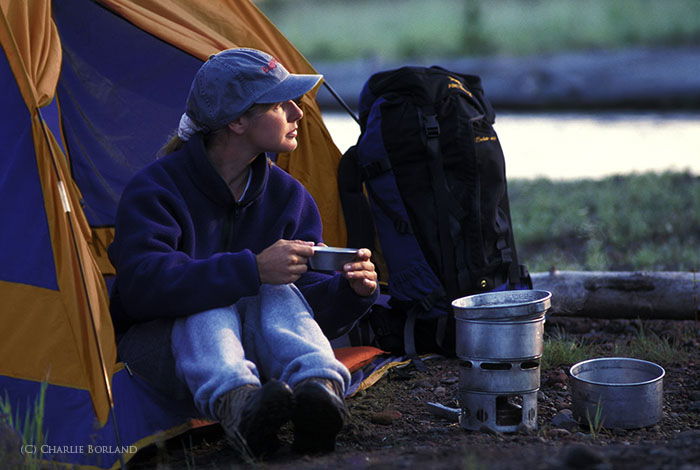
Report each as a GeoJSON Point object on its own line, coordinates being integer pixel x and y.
{"type": "Point", "coordinates": [356, 210]}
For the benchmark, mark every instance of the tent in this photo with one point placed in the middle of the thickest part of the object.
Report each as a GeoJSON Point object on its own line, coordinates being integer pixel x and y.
{"type": "Point", "coordinates": [89, 90]}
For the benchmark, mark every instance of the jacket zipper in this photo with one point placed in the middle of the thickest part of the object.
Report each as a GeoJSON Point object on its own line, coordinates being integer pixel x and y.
{"type": "Point", "coordinates": [230, 227]}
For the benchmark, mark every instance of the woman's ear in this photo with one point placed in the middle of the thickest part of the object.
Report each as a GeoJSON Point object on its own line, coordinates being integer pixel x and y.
{"type": "Point", "coordinates": [239, 125]}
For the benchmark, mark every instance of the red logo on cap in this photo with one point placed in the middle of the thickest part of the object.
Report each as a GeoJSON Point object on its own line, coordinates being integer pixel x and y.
{"type": "Point", "coordinates": [270, 65]}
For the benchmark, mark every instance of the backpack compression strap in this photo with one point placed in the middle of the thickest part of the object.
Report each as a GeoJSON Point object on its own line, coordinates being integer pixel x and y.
{"type": "Point", "coordinates": [409, 331]}
{"type": "Point", "coordinates": [431, 129]}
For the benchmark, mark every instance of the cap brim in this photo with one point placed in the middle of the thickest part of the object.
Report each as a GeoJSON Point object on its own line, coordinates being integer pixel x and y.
{"type": "Point", "coordinates": [292, 87]}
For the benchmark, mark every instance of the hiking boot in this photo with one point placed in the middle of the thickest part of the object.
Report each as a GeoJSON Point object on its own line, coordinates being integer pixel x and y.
{"type": "Point", "coordinates": [319, 415]}
{"type": "Point", "coordinates": [252, 416]}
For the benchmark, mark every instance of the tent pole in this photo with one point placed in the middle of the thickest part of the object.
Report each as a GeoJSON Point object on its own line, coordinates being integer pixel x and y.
{"type": "Point", "coordinates": [67, 209]}
{"type": "Point", "coordinates": [341, 101]}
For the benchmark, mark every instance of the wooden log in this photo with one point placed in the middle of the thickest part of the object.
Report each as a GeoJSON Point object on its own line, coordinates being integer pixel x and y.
{"type": "Point", "coordinates": [600, 294]}
{"type": "Point", "coordinates": [639, 77]}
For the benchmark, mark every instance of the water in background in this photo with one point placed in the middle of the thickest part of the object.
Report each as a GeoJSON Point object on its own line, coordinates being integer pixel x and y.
{"type": "Point", "coordinates": [578, 145]}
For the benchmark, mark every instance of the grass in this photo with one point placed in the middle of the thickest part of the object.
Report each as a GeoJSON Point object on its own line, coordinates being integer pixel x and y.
{"type": "Point", "coordinates": [562, 350]}
{"type": "Point", "coordinates": [595, 422]}
{"type": "Point", "coordinates": [649, 346]}
{"type": "Point", "coordinates": [336, 29]}
{"type": "Point", "coordinates": [638, 222]}
{"type": "Point", "coordinates": [18, 433]}
{"type": "Point", "coordinates": [190, 461]}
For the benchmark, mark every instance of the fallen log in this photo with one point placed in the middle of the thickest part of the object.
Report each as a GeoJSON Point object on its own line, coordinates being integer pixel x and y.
{"type": "Point", "coordinates": [638, 77]}
{"type": "Point", "coordinates": [601, 294]}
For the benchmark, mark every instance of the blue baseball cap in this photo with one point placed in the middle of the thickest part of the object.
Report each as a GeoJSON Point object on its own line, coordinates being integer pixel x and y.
{"type": "Point", "coordinates": [232, 81]}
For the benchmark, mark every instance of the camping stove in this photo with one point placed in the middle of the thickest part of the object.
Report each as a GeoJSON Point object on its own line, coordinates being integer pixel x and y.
{"type": "Point", "coordinates": [499, 342]}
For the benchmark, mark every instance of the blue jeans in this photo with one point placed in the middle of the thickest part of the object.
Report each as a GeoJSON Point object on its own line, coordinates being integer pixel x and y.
{"type": "Point", "coordinates": [270, 335]}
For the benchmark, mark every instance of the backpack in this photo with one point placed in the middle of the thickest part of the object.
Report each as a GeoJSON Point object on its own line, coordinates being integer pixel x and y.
{"type": "Point", "coordinates": [426, 182]}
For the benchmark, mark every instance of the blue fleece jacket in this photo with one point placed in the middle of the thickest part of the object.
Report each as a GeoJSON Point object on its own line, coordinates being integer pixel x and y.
{"type": "Point", "coordinates": [184, 245]}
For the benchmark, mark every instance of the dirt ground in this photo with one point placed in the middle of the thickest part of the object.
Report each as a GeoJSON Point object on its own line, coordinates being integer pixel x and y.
{"type": "Point", "coordinates": [391, 427]}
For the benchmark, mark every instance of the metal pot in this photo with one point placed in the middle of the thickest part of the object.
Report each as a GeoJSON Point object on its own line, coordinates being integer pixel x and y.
{"type": "Point", "coordinates": [499, 340]}
{"type": "Point", "coordinates": [503, 306]}
{"type": "Point", "coordinates": [617, 392]}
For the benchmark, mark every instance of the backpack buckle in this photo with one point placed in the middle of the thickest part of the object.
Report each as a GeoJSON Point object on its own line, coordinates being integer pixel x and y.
{"type": "Point", "coordinates": [431, 126]}
{"type": "Point", "coordinates": [375, 168]}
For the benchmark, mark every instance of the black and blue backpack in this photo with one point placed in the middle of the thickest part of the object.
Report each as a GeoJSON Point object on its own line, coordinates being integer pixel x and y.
{"type": "Point", "coordinates": [425, 189]}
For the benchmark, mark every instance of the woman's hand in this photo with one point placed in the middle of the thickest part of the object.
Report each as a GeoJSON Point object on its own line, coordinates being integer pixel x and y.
{"type": "Point", "coordinates": [284, 261]}
{"type": "Point", "coordinates": [361, 274]}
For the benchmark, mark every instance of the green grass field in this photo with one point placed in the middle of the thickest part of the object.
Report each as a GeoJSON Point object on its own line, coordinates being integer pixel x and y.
{"type": "Point", "coordinates": [394, 29]}
{"type": "Point", "coordinates": [637, 222]}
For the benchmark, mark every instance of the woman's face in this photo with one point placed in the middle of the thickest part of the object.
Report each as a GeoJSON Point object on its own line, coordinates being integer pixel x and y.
{"type": "Point", "coordinates": [275, 129]}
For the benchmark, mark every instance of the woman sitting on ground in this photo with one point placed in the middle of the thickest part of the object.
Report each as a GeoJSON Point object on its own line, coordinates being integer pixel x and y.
{"type": "Point", "coordinates": [213, 299]}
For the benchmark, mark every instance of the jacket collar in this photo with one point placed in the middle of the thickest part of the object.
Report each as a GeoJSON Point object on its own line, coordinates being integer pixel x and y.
{"type": "Point", "coordinates": [208, 180]}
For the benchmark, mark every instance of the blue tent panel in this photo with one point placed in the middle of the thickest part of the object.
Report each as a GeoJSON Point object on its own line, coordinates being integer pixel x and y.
{"type": "Point", "coordinates": [122, 92]}
{"type": "Point", "coordinates": [72, 437]}
{"type": "Point", "coordinates": [26, 255]}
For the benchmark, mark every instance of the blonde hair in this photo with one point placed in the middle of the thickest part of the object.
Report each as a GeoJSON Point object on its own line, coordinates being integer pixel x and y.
{"type": "Point", "coordinates": [173, 144]}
